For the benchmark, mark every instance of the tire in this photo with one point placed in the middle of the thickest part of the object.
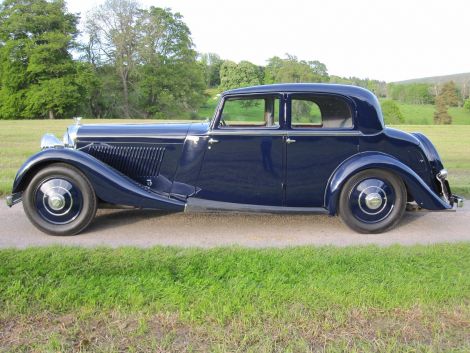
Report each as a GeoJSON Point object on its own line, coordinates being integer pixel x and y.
{"type": "Point", "coordinates": [372, 201]}
{"type": "Point", "coordinates": [60, 200]}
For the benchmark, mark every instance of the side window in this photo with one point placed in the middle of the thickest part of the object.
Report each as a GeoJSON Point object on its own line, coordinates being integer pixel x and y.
{"type": "Point", "coordinates": [310, 111]}
{"type": "Point", "coordinates": [250, 112]}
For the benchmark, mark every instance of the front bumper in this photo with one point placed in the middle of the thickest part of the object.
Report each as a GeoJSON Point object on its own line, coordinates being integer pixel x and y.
{"type": "Point", "coordinates": [14, 199]}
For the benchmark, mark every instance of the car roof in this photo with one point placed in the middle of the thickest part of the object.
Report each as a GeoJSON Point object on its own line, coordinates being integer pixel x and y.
{"type": "Point", "coordinates": [369, 113]}
{"type": "Point", "coordinates": [302, 87]}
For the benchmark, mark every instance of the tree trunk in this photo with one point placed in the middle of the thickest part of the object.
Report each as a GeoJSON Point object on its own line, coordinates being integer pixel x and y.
{"type": "Point", "coordinates": [51, 114]}
{"type": "Point", "coordinates": [125, 89]}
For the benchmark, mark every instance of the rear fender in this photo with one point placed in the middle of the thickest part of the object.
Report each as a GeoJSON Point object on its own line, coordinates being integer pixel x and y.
{"type": "Point", "coordinates": [110, 185]}
{"type": "Point", "coordinates": [421, 192]}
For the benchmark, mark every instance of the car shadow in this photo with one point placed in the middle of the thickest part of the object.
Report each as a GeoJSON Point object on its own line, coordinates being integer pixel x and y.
{"type": "Point", "coordinates": [108, 218]}
{"type": "Point", "coordinates": [410, 217]}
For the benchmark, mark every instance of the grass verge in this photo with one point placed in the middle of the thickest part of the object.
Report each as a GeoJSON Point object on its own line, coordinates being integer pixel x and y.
{"type": "Point", "coordinates": [366, 299]}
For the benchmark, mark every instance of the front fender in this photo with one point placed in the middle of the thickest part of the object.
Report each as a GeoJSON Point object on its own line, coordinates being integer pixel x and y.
{"type": "Point", "coordinates": [421, 192]}
{"type": "Point", "coordinates": [110, 185]}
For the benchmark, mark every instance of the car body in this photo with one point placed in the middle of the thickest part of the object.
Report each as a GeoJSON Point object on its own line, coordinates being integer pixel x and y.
{"type": "Point", "coordinates": [273, 148]}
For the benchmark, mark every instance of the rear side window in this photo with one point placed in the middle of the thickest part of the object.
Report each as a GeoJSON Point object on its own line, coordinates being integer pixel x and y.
{"type": "Point", "coordinates": [322, 111]}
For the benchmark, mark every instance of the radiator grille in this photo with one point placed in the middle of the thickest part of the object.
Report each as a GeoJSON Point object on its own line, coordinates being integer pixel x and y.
{"type": "Point", "coordinates": [134, 161]}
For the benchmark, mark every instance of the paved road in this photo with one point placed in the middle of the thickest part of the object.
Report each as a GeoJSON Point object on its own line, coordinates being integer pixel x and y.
{"type": "Point", "coordinates": [148, 228]}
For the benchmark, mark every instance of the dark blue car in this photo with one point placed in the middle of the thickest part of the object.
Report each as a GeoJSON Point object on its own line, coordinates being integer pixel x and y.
{"type": "Point", "coordinates": [277, 148]}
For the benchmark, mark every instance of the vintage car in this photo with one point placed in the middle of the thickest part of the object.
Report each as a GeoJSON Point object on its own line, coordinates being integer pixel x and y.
{"type": "Point", "coordinates": [277, 148]}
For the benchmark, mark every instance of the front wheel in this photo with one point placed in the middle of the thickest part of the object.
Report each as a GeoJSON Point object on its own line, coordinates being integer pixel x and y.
{"type": "Point", "coordinates": [60, 200]}
{"type": "Point", "coordinates": [372, 201]}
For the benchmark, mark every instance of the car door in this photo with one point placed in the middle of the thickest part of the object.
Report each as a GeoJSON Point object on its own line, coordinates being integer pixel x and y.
{"type": "Point", "coordinates": [321, 135]}
{"type": "Point", "coordinates": [243, 162]}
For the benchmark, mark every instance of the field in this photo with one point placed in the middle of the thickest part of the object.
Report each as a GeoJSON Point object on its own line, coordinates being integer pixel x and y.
{"type": "Point", "coordinates": [19, 139]}
{"type": "Point", "coordinates": [365, 299]}
{"type": "Point", "coordinates": [424, 114]}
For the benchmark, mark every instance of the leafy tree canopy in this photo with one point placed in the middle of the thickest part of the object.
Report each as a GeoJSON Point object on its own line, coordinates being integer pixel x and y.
{"type": "Point", "coordinates": [450, 94]}
{"type": "Point", "coordinates": [391, 112]}
{"type": "Point", "coordinates": [467, 104]}
{"type": "Point", "coordinates": [244, 74]}
{"type": "Point", "coordinates": [38, 76]}
{"type": "Point", "coordinates": [294, 70]}
{"type": "Point", "coordinates": [412, 93]}
{"type": "Point", "coordinates": [156, 68]}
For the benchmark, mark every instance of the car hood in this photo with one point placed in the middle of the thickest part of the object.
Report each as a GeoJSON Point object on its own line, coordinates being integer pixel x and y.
{"type": "Point", "coordinates": [116, 131]}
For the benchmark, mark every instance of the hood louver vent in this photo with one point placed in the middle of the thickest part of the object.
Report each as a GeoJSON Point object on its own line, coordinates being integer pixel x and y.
{"type": "Point", "coordinates": [134, 161]}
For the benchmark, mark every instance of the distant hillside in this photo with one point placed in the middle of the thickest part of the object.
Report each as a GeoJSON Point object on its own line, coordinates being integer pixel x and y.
{"type": "Point", "coordinates": [459, 79]}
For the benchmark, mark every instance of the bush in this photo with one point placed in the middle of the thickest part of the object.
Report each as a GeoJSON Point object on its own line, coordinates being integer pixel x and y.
{"type": "Point", "coordinates": [467, 104]}
{"type": "Point", "coordinates": [391, 112]}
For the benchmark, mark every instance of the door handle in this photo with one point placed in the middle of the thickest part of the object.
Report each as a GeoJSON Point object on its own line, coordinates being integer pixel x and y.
{"type": "Point", "coordinates": [212, 141]}
{"type": "Point", "coordinates": [289, 140]}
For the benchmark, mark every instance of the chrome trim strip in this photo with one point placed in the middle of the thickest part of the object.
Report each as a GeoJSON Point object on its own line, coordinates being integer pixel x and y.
{"type": "Point", "coordinates": [247, 132]}
{"type": "Point", "coordinates": [324, 133]}
{"type": "Point", "coordinates": [169, 137]}
{"type": "Point", "coordinates": [202, 205]}
{"type": "Point", "coordinates": [264, 132]}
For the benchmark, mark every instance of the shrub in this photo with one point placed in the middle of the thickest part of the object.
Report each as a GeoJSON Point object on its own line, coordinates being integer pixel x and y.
{"type": "Point", "coordinates": [391, 112]}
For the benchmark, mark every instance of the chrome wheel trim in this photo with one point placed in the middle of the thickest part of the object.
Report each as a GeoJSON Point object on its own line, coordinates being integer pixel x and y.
{"type": "Point", "coordinates": [371, 200]}
{"type": "Point", "coordinates": [374, 198]}
{"type": "Point", "coordinates": [58, 200]}
{"type": "Point", "coordinates": [57, 194]}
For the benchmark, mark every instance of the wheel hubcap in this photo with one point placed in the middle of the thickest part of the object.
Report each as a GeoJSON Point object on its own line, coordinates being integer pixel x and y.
{"type": "Point", "coordinates": [372, 200]}
{"type": "Point", "coordinates": [58, 201]}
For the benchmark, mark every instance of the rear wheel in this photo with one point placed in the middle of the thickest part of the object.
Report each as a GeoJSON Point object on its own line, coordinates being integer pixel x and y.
{"type": "Point", "coordinates": [372, 201]}
{"type": "Point", "coordinates": [60, 200]}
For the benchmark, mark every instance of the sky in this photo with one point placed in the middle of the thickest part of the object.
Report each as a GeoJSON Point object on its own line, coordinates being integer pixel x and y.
{"type": "Point", "coordinates": [389, 40]}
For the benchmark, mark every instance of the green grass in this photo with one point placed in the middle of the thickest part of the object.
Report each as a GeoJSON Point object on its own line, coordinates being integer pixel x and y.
{"type": "Point", "coordinates": [300, 299]}
{"type": "Point", "coordinates": [416, 114]}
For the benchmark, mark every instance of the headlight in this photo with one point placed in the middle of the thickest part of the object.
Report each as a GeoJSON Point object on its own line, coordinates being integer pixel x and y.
{"type": "Point", "coordinates": [70, 136]}
{"type": "Point", "coordinates": [50, 141]}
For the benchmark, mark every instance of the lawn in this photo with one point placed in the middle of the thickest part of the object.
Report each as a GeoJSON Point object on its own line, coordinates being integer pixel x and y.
{"type": "Point", "coordinates": [423, 114]}
{"type": "Point", "coordinates": [367, 299]}
{"type": "Point", "coordinates": [19, 139]}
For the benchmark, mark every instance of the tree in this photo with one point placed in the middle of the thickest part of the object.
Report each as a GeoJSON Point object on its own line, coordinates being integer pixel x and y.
{"type": "Point", "coordinates": [467, 104]}
{"type": "Point", "coordinates": [292, 70]}
{"type": "Point", "coordinates": [170, 80]}
{"type": "Point", "coordinates": [244, 74]}
{"type": "Point", "coordinates": [153, 56]}
{"type": "Point", "coordinates": [113, 33]}
{"type": "Point", "coordinates": [441, 115]}
{"type": "Point", "coordinates": [379, 88]}
{"type": "Point", "coordinates": [449, 94]}
{"type": "Point", "coordinates": [38, 76]}
{"type": "Point", "coordinates": [412, 93]}
{"type": "Point", "coordinates": [391, 112]}
{"type": "Point", "coordinates": [211, 63]}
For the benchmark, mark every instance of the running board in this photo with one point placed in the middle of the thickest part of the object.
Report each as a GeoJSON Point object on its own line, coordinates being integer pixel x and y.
{"type": "Point", "coordinates": [195, 205]}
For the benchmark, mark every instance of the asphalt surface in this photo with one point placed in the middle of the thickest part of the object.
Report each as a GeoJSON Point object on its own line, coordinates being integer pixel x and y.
{"type": "Point", "coordinates": [149, 228]}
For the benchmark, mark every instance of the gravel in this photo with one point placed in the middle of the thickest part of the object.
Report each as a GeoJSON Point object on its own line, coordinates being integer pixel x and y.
{"type": "Point", "coordinates": [150, 228]}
